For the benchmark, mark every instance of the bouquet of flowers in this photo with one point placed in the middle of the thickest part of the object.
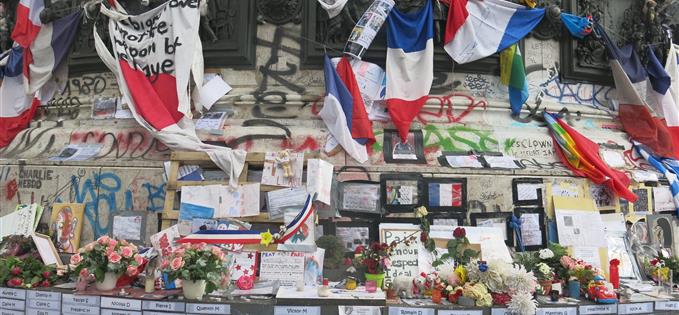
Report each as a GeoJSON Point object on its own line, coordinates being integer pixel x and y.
{"type": "Point", "coordinates": [26, 273]}
{"type": "Point", "coordinates": [195, 262]}
{"type": "Point", "coordinates": [375, 258]}
{"type": "Point", "coordinates": [107, 255]}
{"type": "Point", "coordinates": [579, 269]}
{"type": "Point", "coordinates": [659, 267]}
{"type": "Point", "coordinates": [502, 283]}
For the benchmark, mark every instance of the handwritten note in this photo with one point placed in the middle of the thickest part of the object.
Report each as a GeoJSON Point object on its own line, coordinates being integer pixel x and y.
{"type": "Point", "coordinates": [243, 201]}
{"type": "Point", "coordinates": [286, 267]}
{"type": "Point", "coordinates": [319, 179]}
{"type": "Point", "coordinates": [20, 222]}
{"type": "Point", "coordinates": [278, 201]}
{"type": "Point", "coordinates": [404, 259]}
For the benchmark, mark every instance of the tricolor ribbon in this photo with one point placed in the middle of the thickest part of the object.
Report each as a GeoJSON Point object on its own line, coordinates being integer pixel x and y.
{"type": "Point", "coordinates": [515, 224]}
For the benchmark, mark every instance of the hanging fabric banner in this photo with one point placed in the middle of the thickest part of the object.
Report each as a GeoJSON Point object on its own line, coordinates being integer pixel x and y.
{"type": "Point", "coordinates": [154, 55]}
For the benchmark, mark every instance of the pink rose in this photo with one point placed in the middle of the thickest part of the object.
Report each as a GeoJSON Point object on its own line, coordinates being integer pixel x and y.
{"type": "Point", "coordinates": [132, 271]}
{"type": "Point", "coordinates": [164, 264]}
{"type": "Point", "coordinates": [127, 252]}
{"type": "Point", "coordinates": [179, 251]}
{"type": "Point", "coordinates": [177, 263]}
{"type": "Point", "coordinates": [103, 240]}
{"type": "Point", "coordinates": [112, 242]}
{"type": "Point", "coordinates": [114, 258]}
{"type": "Point", "coordinates": [84, 273]}
{"type": "Point", "coordinates": [216, 251]}
{"type": "Point", "coordinates": [200, 246]}
{"type": "Point", "coordinates": [76, 259]}
{"type": "Point", "coordinates": [245, 282]}
{"type": "Point", "coordinates": [138, 259]}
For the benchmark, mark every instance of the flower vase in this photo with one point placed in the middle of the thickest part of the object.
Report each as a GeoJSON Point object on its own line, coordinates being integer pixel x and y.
{"type": "Point", "coordinates": [108, 283]}
{"type": "Point", "coordinates": [436, 296]}
{"type": "Point", "coordinates": [546, 286]}
{"type": "Point", "coordinates": [574, 289]}
{"type": "Point", "coordinates": [193, 290]}
{"type": "Point", "coordinates": [377, 277]}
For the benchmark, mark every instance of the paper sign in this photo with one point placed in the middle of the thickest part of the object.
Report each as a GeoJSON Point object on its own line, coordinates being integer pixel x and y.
{"type": "Point", "coordinates": [164, 306]}
{"type": "Point", "coordinates": [319, 179]}
{"type": "Point", "coordinates": [199, 308]}
{"type": "Point", "coordinates": [8, 304]}
{"type": "Point", "coordinates": [38, 311]}
{"type": "Point", "coordinates": [163, 241]}
{"type": "Point", "coordinates": [44, 295]}
{"type": "Point", "coordinates": [79, 309]}
{"type": "Point", "coordinates": [240, 202]}
{"type": "Point", "coordinates": [528, 191]}
{"type": "Point", "coordinates": [358, 310]}
{"type": "Point", "coordinates": [105, 311]}
{"type": "Point", "coordinates": [410, 311]}
{"type": "Point", "coordinates": [304, 240]}
{"type": "Point", "coordinates": [297, 310]}
{"type": "Point", "coordinates": [662, 199]}
{"type": "Point", "coordinates": [667, 306]}
{"type": "Point", "coordinates": [287, 267]}
{"type": "Point", "coordinates": [243, 264]}
{"type": "Point", "coordinates": [367, 28]}
{"type": "Point", "coordinates": [500, 311]}
{"type": "Point", "coordinates": [77, 152]}
{"type": "Point", "coordinates": [598, 309]}
{"type": "Point", "coordinates": [80, 300]}
{"type": "Point", "coordinates": [20, 222]}
{"type": "Point", "coordinates": [212, 91]}
{"type": "Point", "coordinates": [279, 201]}
{"type": "Point", "coordinates": [211, 121]}
{"type": "Point", "coordinates": [500, 161]}
{"type": "Point", "coordinates": [17, 294]}
{"type": "Point", "coordinates": [531, 229]}
{"type": "Point", "coordinates": [48, 253]}
{"type": "Point", "coordinates": [588, 254]}
{"type": "Point", "coordinates": [43, 304]}
{"type": "Point", "coordinates": [404, 259]}
{"type": "Point", "coordinates": [199, 201]}
{"type": "Point", "coordinates": [274, 172]}
{"type": "Point", "coordinates": [10, 312]}
{"type": "Point", "coordinates": [557, 311]}
{"type": "Point", "coordinates": [636, 308]}
{"type": "Point", "coordinates": [578, 222]}
{"type": "Point", "coordinates": [128, 227]}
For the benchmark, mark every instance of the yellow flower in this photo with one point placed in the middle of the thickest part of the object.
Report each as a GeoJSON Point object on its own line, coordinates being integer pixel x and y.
{"type": "Point", "coordinates": [461, 273]}
{"type": "Point", "coordinates": [421, 212]}
{"type": "Point", "coordinates": [267, 238]}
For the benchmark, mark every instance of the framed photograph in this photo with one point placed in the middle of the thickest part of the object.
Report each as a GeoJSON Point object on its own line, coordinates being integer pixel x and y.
{"type": "Point", "coordinates": [354, 233]}
{"type": "Point", "coordinates": [359, 197]}
{"type": "Point", "coordinates": [48, 253]}
{"type": "Point", "coordinates": [604, 198]}
{"type": "Point", "coordinates": [495, 219]}
{"type": "Point", "coordinates": [401, 192]}
{"type": "Point", "coordinates": [527, 191]}
{"type": "Point", "coordinates": [396, 151]}
{"type": "Point", "coordinates": [445, 194]}
{"type": "Point", "coordinates": [66, 225]}
{"type": "Point", "coordinates": [129, 226]}
{"type": "Point", "coordinates": [533, 228]}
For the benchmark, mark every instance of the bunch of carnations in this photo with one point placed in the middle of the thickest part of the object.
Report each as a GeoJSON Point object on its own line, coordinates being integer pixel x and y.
{"type": "Point", "coordinates": [26, 273]}
{"type": "Point", "coordinates": [196, 262]}
{"type": "Point", "coordinates": [107, 255]}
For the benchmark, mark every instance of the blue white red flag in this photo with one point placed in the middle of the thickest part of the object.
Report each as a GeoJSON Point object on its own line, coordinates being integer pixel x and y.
{"type": "Point", "coordinates": [659, 97]}
{"type": "Point", "coordinates": [16, 108]}
{"type": "Point", "coordinates": [410, 64]}
{"type": "Point", "coordinates": [476, 29]}
{"type": "Point", "coordinates": [338, 111]}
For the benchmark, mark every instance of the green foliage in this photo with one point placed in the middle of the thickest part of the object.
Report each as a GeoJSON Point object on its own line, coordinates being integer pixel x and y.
{"type": "Point", "coordinates": [334, 250]}
{"type": "Point", "coordinates": [458, 251]}
{"type": "Point", "coordinates": [30, 271]}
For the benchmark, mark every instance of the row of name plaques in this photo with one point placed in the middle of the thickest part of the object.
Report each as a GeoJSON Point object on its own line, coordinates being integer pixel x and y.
{"type": "Point", "coordinates": [31, 302]}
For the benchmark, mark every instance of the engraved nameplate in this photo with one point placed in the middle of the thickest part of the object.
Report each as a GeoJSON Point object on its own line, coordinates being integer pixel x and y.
{"type": "Point", "coordinates": [120, 304]}
{"type": "Point", "coordinates": [8, 304]}
{"type": "Point", "coordinates": [164, 306]}
{"type": "Point", "coordinates": [198, 308]}
{"type": "Point", "coordinates": [17, 294]}
{"type": "Point", "coordinates": [43, 295]}
{"type": "Point", "coordinates": [80, 300]}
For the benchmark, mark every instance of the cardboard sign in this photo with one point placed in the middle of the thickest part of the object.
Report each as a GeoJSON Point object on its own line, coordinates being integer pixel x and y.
{"type": "Point", "coordinates": [404, 259]}
{"type": "Point", "coordinates": [286, 267]}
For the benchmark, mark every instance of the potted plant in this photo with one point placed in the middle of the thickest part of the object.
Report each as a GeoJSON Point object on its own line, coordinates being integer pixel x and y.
{"type": "Point", "coordinates": [334, 256]}
{"type": "Point", "coordinates": [375, 259]}
{"type": "Point", "coordinates": [545, 277]}
{"type": "Point", "coordinates": [108, 259]}
{"type": "Point", "coordinates": [200, 267]}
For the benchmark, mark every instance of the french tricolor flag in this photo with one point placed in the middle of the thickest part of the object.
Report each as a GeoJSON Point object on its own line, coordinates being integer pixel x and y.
{"type": "Point", "coordinates": [16, 108]}
{"type": "Point", "coordinates": [658, 96]}
{"type": "Point", "coordinates": [476, 29]}
{"type": "Point", "coordinates": [28, 22]}
{"type": "Point", "coordinates": [410, 64]}
{"type": "Point", "coordinates": [338, 111]}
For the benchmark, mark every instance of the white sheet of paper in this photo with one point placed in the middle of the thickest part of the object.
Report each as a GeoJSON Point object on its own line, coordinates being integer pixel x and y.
{"type": "Point", "coordinates": [614, 222]}
{"type": "Point", "coordinates": [614, 159]}
{"type": "Point", "coordinates": [127, 227]}
{"type": "Point", "coordinates": [494, 222]}
{"type": "Point", "coordinates": [662, 199]}
{"type": "Point", "coordinates": [46, 249]}
{"type": "Point", "coordinates": [243, 264]}
{"type": "Point", "coordinates": [77, 152]}
{"type": "Point", "coordinates": [278, 201]}
{"type": "Point", "coordinates": [458, 161]}
{"type": "Point", "coordinates": [243, 201]}
{"type": "Point", "coordinates": [531, 229]}
{"type": "Point", "coordinates": [490, 239]}
{"type": "Point", "coordinates": [211, 121]}
{"type": "Point", "coordinates": [588, 254]}
{"type": "Point", "coordinates": [500, 161]}
{"type": "Point", "coordinates": [212, 91]}
{"type": "Point", "coordinates": [19, 222]}
{"type": "Point", "coordinates": [580, 228]}
{"type": "Point", "coordinates": [302, 241]}
{"type": "Point", "coordinates": [286, 267]}
{"type": "Point", "coordinates": [565, 190]}
{"type": "Point", "coordinates": [528, 191]}
{"type": "Point", "coordinates": [319, 179]}
{"type": "Point", "coordinates": [207, 196]}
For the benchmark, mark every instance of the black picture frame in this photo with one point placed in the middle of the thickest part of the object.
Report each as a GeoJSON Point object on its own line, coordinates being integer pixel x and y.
{"type": "Point", "coordinates": [515, 192]}
{"type": "Point", "coordinates": [475, 217]}
{"type": "Point", "coordinates": [459, 216]}
{"type": "Point", "coordinates": [429, 181]}
{"type": "Point", "coordinates": [518, 212]}
{"type": "Point", "coordinates": [330, 228]}
{"type": "Point", "coordinates": [405, 177]}
{"type": "Point", "coordinates": [444, 161]}
{"type": "Point", "coordinates": [391, 136]}
{"type": "Point", "coordinates": [354, 211]}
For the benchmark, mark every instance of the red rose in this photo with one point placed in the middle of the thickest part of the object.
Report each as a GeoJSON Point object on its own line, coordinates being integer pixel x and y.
{"type": "Point", "coordinates": [384, 246]}
{"type": "Point", "coordinates": [45, 274]}
{"type": "Point", "coordinates": [423, 237]}
{"type": "Point", "coordinates": [45, 283]}
{"type": "Point", "coordinates": [15, 282]}
{"type": "Point", "coordinates": [16, 271]}
{"type": "Point", "coordinates": [654, 261]}
{"type": "Point", "coordinates": [375, 246]}
{"type": "Point", "coordinates": [359, 249]}
{"type": "Point", "coordinates": [347, 261]}
{"type": "Point", "coordinates": [459, 233]}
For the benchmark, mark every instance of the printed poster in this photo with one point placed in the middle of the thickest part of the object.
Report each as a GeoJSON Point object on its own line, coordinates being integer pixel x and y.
{"type": "Point", "coordinates": [66, 224]}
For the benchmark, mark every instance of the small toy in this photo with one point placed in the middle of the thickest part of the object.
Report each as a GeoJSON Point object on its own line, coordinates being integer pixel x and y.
{"type": "Point", "coordinates": [405, 284]}
{"type": "Point", "coordinates": [599, 293]}
{"type": "Point", "coordinates": [283, 159]}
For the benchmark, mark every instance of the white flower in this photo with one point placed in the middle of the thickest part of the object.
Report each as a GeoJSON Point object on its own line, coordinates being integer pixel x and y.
{"type": "Point", "coordinates": [518, 279]}
{"type": "Point", "coordinates": [449, 288]}
{"type": "Point", "coordinates": [421, 212]}
{"type": "Point", "coordinates": [546, 253]}
{"type": "Point", "coordinates": [493, 278]}
{"type": "Point", "coordinates": [522, 303]}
